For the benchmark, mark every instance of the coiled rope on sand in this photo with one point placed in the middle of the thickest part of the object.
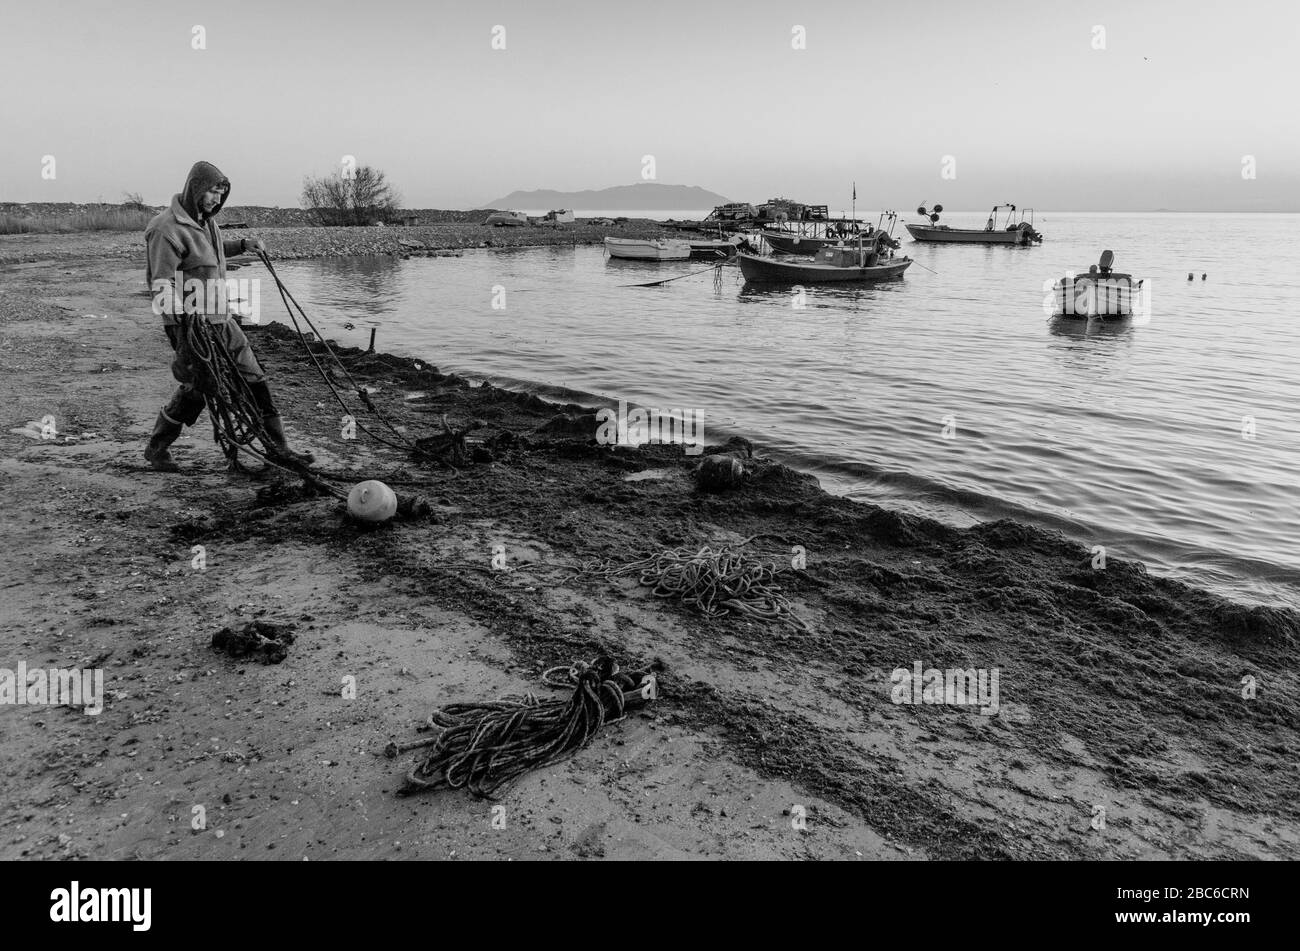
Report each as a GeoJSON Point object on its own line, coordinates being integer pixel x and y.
{"type": "Point", "coordinates": [716, 581]}
{"type": "Point", "coordinates": [482, 746]}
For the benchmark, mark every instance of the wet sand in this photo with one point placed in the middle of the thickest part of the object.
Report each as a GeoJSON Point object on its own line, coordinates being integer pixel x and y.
{"type": "Point", "coordinates": [1121, 695]}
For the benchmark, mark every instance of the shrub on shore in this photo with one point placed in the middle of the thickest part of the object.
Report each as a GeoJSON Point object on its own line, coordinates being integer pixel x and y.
{"type": "Point", "coordinates": [363, 196]}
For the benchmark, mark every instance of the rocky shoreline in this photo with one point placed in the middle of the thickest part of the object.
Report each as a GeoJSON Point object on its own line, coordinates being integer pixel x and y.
{"type": "Point", "coordinates": [299, 243]}
{"type": "Point", "coordinates": [1126, 727]}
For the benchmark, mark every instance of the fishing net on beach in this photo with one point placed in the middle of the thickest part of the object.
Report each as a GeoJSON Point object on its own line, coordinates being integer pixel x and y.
{"type": "Point", "coordinates": [718, 582]}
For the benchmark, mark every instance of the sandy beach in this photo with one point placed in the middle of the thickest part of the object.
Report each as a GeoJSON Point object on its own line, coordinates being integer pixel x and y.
{"type": "Point", "coordinates": [1124, 729]}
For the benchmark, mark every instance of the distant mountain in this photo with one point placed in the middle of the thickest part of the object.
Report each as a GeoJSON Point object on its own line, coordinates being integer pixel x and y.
{"type": "Point", "coordinates": [650, 196]}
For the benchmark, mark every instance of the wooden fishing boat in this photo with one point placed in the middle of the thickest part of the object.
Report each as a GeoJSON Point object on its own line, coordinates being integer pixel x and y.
{"type": "Point", "coordinates": [1016, 234]}
{"type": "Point", "coordinates": [722, 248]}
{"type": "Point", "coordinates": [811, 235]}
{"type": "Point", "coordinates": [789, 243]}
{"type": "Point", "coordinates": [648, 249]}
{"type": "Point", "coordinates": [1101, 293]}
{"type": "Point", "coordinates": [839, 263]}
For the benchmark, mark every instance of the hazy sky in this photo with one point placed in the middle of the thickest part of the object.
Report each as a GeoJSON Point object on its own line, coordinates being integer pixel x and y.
{"type": "Point", "coordinates": [1013, 91]}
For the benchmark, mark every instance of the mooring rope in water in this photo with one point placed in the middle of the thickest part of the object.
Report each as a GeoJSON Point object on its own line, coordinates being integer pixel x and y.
{"type": "Point", "coordinates": [669, 280]}
{"type": "Point", "coordinates": [406, 445]}
{"type": "Point", "coordinates": [716, 581]}
{"type": "Point", "coordinates": [483, 746]}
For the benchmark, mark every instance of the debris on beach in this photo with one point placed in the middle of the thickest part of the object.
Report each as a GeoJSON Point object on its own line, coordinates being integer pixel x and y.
{"type": "Point", "coordinates": [448, 446]}
{"type": "Point", "coordinates": [43, 430]}
{"type": "Point", "coordinates": [270, 639]}
{"type": "Point", "coordinates": [284, 492]}
{"type": "Point", "coordinates": [570, 424]}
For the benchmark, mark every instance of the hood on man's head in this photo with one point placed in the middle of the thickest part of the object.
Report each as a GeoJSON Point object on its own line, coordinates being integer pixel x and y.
{"type": "Point", "coordinates": [202, 176]}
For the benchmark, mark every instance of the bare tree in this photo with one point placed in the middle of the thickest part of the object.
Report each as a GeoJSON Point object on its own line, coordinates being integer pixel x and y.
{"type": "Point", "coordinates": [361, 197]}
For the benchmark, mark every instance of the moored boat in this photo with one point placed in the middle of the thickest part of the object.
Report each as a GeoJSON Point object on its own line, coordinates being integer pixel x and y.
{"type": "Point", "coordinates": [869, 258]}
{"type": "Point", "coordinates": [831, 264]}
{"type": "Point", "coordinates": [1017, 234]}
{"type": "Point", "coordinates": [721, 248]}
{"type": "Point", "coordinates": [648, 249]}
{"type": "Point", "coordinates": [791, 243]}
{"type": "Point", "coordinates": [1101, 293]}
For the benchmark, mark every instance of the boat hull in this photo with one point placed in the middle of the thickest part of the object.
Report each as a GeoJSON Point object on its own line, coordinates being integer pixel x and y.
{"type": "Point", "coordinates": [767, 270]}
{"type": "Point", "coordinates": [796, 244]}
{"type": "Point", "coordinates": [1097, 297]}
{"type": "Point", "coordinates": [965, 235]}
{"type": "Point", "coordinates": [633, 250]}
{"type": "Point", "coordinates": [713, 249]}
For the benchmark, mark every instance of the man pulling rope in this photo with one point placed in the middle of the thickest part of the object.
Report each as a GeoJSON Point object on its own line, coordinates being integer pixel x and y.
{"type": "Point", "coordinates": [186, 272]}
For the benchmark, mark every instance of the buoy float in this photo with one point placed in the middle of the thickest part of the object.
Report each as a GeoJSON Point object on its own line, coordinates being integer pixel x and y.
{"type": "Point", "coordinates": [716, 473]}
{"type": "Point", "coordinates": [372, 501]}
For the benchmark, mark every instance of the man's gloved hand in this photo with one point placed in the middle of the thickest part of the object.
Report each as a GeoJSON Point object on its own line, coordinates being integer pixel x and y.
{"type": "Point", "coordinates": [254, 244]}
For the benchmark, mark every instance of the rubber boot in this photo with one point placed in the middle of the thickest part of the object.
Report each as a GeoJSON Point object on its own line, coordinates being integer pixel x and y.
{"type": "Point", "coordinates": [279, 448]}
{"type": "Point", "coordinates": [164, 434]}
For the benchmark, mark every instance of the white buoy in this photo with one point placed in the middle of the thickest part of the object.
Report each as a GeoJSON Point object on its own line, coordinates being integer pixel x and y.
{"type": "Point", "coordinates": [371, 501]}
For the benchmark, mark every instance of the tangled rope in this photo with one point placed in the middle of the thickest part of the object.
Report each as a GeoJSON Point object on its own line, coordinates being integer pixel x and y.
{"type": "Point", "coordinates": [236, 416]}
{"type": "Point", "coordinates": [483, 746]}
{"type": "Point", "coordinates": [716, 581]}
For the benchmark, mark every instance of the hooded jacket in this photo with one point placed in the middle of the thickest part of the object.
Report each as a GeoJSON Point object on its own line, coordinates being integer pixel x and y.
{"type": "Point", "coordinates": [181, 239]}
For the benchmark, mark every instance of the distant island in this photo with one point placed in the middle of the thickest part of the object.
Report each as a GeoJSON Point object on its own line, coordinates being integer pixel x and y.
{"type": "Point", "coordinates": [650, 196]}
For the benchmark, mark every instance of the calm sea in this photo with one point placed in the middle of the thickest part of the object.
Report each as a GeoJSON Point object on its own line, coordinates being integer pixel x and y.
{"type": "Point", "coordinates": [1175, 440]}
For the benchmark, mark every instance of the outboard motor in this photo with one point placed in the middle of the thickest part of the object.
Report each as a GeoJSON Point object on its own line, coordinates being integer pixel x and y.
{"type": "Point", "coordinates": [1028, 233]}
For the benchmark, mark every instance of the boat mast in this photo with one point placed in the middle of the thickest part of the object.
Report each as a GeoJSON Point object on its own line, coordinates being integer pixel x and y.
{"type": "Point", "coordinates": [854, 213]}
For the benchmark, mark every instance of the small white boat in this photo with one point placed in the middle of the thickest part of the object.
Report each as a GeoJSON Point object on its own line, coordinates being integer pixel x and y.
{"type": "Point", "coordinates": [647, 249]}
{"type": "Point", "coordinates": [1101, 293]}
{"type": "Point", "coordinates": [507, 219]}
